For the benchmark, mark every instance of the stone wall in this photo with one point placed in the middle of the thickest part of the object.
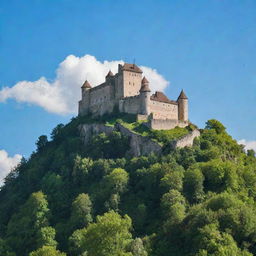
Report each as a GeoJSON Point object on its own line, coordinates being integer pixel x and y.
{"type": "Point", "coordinates": [139, 145]}
{"type": "Point", "coordinates": [132, 83]}
{"type": "Point", "coordinates": [162, 110]}
{"type": "Point", "coordinates": [166, 124]}
{"type": "Point", "coordinates": [102, 99]}
{"type": "Point", "coordinates": [185, 141]}
{"type": "Point", "coordinates": [130, 105]}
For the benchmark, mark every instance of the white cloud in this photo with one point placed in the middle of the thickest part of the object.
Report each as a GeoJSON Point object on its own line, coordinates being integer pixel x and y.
{"type": "Point", "coordinates": [62, 94]}
{"type": "Point", "coordinates": [7, 163]}
{"type": "Point", "coordinates": [248, 144]}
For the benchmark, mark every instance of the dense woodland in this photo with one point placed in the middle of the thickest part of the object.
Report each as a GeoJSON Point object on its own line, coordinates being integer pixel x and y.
{"type": "Point", "coordinates": [94, 200]}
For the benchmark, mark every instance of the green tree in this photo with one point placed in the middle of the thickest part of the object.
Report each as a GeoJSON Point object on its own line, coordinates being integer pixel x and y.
{"type": "Point", "coordinates": [4, 249]}
{"type": "Point", "coordinates": [173, 180]}
{"type": "Point", "coordinates": [41, 142]}
{"type": "Point", "coordinates": [173, 206]}
{"type": "Point", "coordinates": [24, 226]}
{"type": "Point", "coordinates": [215, 125]}
{"type": "Point", "coordinates": [212, 242]}
{"type": "Point", "coordinates": [47, 251]}
{"type": "Point", "coordinates": [46, 237]}
{"type": "Point", "coordinates": [137, 248]}
{"type": "Point", "coordinates": [116, 181]}
{"type": "Point", "coordinates": [81, 169]}
{"type": "Point", "coordinates": [57, 132]}
{"type": "Point", "coordinates": [109, 236]}
{"type": "Point", "coordinates": [81, 211]}
{"type": "Point", "coordinates": [114, 184]}
{"type": "Point", "coordinates": [251, 153]}
{"type": "Point", "coordinates": [193, 185]}
{"type": "Point", "coordinates": [219, 175]}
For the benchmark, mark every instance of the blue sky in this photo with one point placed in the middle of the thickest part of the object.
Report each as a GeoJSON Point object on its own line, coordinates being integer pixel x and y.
{"type": "Point", "coordinates": [205, 47]}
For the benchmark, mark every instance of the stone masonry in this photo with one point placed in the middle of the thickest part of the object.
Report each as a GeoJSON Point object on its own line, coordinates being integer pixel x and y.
{"type": "Point", "coordinates": [128, 92]}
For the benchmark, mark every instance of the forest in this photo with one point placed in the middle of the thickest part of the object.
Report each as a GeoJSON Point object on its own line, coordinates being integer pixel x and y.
{"type": "Point", "coordinates": [70, 199]}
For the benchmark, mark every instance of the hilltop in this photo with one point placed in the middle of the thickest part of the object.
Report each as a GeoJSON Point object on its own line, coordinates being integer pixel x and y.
{"type": "Point", "coordinates": [96, 199]}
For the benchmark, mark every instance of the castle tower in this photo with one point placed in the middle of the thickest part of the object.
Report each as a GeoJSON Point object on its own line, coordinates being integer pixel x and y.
{"type": "Point", "coordinates": [183, 107]}
{"type": "Point", "coordinates": [145, 96]}
{"type": "Point", "coordinates": [128, 80]}
{"type": "Point", "coordinates": [109, 76]}
{"type": "Point", "coordinates": [85, 102]}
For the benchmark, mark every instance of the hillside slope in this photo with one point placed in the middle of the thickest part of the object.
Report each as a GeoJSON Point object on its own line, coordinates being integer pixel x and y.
{"type": "Point", "coordinates": [68, 199]}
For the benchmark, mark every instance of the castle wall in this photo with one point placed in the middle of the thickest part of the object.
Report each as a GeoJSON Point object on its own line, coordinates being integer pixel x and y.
{"type": "Point", "coordinates": [132, 83]}
{"type": "Point", "coordinates": [165, 124]}
{"type": "Point", "coordinates": [119, 90]}
{"type": "Point", "coordinates": [186, 140]}
{"type": "Point", "coordinates": [82, 107]}
{"type": "Point", "coordinates": [130, 105]}
{"type": "Point", "coordinates": [102, 99]}
{"type": "Point", "coordinates": [162, 110]}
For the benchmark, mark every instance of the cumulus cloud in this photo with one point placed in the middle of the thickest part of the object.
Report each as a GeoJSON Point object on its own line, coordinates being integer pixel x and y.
{"type": "Point", "coordinates": [62, 94]}
{"type": "Point", "coordinates": [248, 144]}
{"type": "Point", "coordinates": [7, 163]}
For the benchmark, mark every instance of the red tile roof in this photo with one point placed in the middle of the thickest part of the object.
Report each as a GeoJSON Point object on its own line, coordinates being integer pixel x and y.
{"type": "Point", "coordinates": [161, 97]}
{"type": "Point", "coordinates": [182, 95]}
{"type": "Point", "coordinates": [131, 67]}
{"type": "Point", "coordinates": [86, 85]}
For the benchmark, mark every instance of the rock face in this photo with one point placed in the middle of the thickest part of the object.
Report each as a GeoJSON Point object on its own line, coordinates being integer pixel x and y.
{"type": "Point", "coordinates": [139, 145]}
{"type": "Point", "coordinates": [88, 130]}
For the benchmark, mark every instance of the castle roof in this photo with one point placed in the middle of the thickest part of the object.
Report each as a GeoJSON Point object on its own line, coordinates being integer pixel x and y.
{"type": "Point", "coordinates": [109, 73]}
{"type": "Point", "coordinates": [161, 97]}
{"type": "Point", "coordinates": [131, 67]}
{"type": "Point", "coordinates": [182, 95]}
{"type": "Point", "coordinates": [144, 85]}
{"type": "Point", "coordinates": [86, 85]}
{"type": "Point", "coordinates": [144, 80]}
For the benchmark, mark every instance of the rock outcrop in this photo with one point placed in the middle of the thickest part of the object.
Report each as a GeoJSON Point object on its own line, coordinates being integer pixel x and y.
{"type": "Point", "coordinates": [139, 145]}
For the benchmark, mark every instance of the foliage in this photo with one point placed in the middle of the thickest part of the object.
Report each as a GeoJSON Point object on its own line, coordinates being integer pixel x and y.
{"type": "Point", "coordinates": [47, 251]}
{"type": "Point", "coordinates": [95, 200]}
{"type": "Point", "coordinates": [81, 212]}
{"type": "Point", "coordinates": [110, 235]}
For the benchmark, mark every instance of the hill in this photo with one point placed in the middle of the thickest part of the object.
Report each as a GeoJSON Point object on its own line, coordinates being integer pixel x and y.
{"type": "Point", "coordinates": [95, 200]}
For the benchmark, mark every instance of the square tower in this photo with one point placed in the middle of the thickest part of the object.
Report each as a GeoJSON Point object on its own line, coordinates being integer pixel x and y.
{"type": "Point", "coordinates": [128, 80]}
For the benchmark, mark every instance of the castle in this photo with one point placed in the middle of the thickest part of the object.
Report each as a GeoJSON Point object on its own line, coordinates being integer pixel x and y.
{"type": "Point", "coordinates": [130, 93]}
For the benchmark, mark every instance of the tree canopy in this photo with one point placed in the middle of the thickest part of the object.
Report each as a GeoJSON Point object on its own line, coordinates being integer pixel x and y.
{"type": "Point", "coordinates": [97, 200]}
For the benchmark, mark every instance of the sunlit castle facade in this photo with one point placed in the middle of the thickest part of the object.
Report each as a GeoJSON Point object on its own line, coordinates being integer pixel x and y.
{"type": "Point", "coordinates": [128, 92]}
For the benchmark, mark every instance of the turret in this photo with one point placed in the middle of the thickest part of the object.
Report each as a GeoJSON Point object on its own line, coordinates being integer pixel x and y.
{"type": "Point", "coordinates": [145, 96]}
{"type": "Point", "coordinates": [85, 87]}
{"type": "Point", "coordinates": [109, 76]}
{"type": "Point", "coordinates": [85, 102]}
{"type": "Point", "coordinates": [183, 107]}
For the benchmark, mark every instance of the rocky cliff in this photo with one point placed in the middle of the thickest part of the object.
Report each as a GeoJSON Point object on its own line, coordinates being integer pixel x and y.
{"type": "Point", "coordinates": [139, 145]}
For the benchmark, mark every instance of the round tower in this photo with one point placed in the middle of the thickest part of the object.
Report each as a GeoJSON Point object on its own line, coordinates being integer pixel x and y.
{"type": "Point", "coordinates": [145, 96]}
{"type": "Point", "coordinates": [84, 104]}
{"type": "Point", "coordinates": [183, 107]}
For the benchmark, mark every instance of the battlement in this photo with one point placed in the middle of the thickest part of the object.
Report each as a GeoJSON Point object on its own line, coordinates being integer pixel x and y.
{"type": "Point", "coordinates": [131, 94]}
